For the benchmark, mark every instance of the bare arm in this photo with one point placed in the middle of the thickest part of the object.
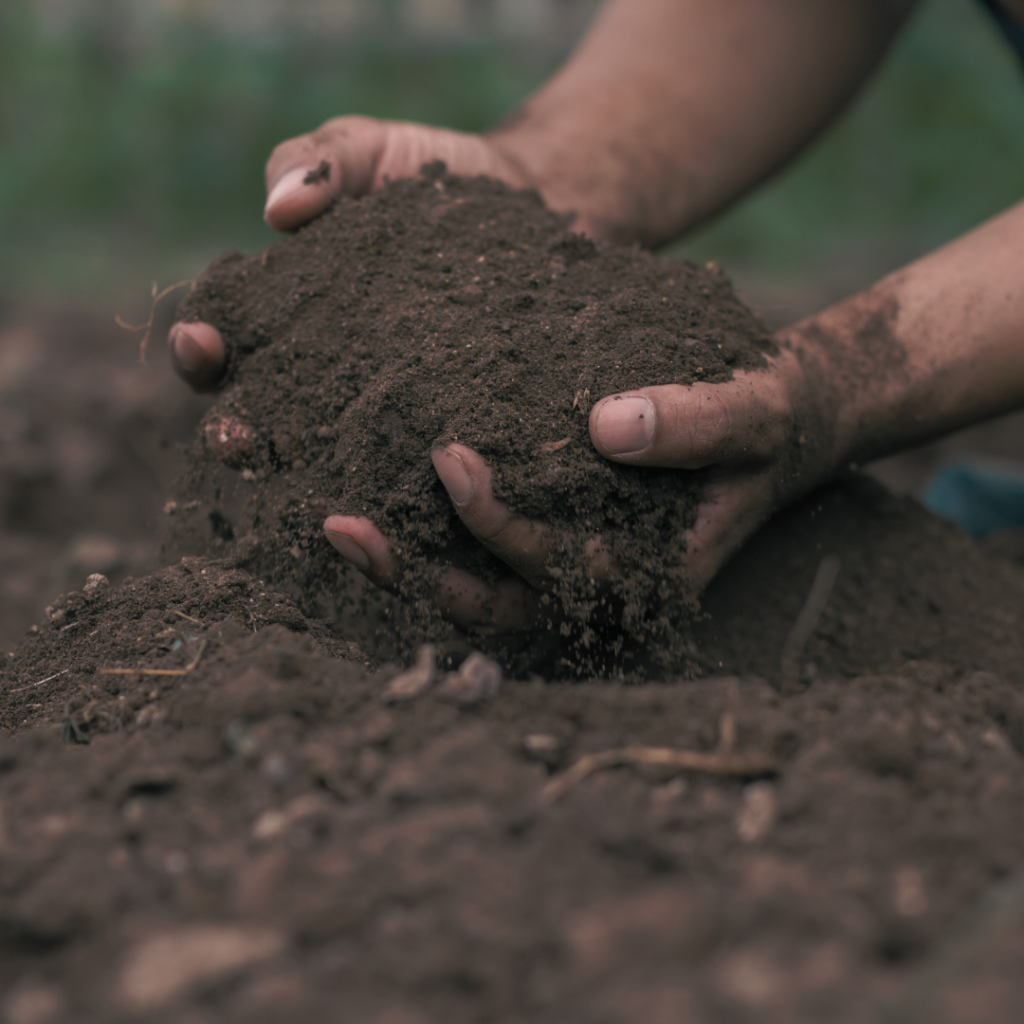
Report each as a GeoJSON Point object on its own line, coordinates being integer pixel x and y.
{"type": "Point", "coordinates": [670, 109]}
{"type": "Point", "coordinates": [666, 112]}
{"type": "Point", "coordinates": [933, 347]}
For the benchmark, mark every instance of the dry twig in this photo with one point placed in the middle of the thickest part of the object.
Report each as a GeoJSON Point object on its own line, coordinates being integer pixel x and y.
{"type": "Point", "coordinates": [190, 667]}
{"type": "Point", "coordinates": [729, 765]}
{"type": "Point", "coordinates": [32, 686]}
{"type": "Point", "coordinates": [148, 325]}
{"type": "Point", "coordinates": [553, 446]}
{"type": "Point", "coordinates": [189, 617]}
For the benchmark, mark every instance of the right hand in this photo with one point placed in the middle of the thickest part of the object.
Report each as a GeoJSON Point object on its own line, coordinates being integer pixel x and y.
{"type": "Point", "coordinates": [345, 156]}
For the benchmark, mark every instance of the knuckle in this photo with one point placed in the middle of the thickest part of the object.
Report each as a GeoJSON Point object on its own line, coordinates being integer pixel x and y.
{"type": "Point", "coordinates": [710, 426]}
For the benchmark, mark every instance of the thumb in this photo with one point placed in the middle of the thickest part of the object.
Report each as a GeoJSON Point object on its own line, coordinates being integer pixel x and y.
{"type": "Point", "coordinates": [690, 426]}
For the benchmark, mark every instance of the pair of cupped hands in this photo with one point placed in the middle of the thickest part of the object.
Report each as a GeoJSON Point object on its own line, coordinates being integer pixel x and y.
{"type": "Point", "coordinates": [745, 432]}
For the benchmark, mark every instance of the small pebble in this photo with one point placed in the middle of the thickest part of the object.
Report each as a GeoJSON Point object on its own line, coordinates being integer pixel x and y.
{"type": "Point", "coordinates": [408, 685]}
{"type": "Point", "coordinates": [756, 815]}
{"type": "Point", "coordinates": [97, 581]}
{"type": "Point", "coordinates": [541, 744]}
{"type": "Point", "coordinates": [478, 680]}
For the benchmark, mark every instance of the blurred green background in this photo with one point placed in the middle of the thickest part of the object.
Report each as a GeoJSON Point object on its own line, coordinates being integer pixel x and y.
{"type": "Point", "coordinates": [126, 158]}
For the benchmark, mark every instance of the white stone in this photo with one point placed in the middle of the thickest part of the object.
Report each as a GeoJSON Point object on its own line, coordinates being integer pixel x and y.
{"type": "Point", "coordinates": [159, 969]}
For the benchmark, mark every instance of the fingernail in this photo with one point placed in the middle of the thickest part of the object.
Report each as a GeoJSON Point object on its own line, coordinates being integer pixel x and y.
{"type": "Point", "coordinates": [454, 475]}
{"type": "Point", "coordinates": [625, 425]}
{"type": "Point", "coordinates": [289, 183]}
{"type": "Point", "coordinates": [348, 548]}
{"type": "Point", "coordinates": [187, 352]}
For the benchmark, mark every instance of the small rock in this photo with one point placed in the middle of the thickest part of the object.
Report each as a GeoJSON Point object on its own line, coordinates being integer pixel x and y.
{"type": "Point", "coordinates": [543, 747]}
{"type": "Point", "coordinates": [231, 440]}
{"type": "Point", "coordinates": [478, 680]}
{"type": "Point", "coordinates": [541, 744]}
{"type": "Point", "coordinates": [161, 968]}
{"type": "Point", "coordinates": [756, 814]}
{"type": "Point", "coordinates": [96, 582]}
{"type": "Point", "coordinates": [408, 685]}
{"type": "Point", "coordinates": [276, 821]}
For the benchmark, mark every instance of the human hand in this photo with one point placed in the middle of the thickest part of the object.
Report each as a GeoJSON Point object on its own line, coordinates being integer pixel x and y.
{"type": "Point", "coordinates": [750, 434]}
{"type": "Point", "coordinates": [346, 156]}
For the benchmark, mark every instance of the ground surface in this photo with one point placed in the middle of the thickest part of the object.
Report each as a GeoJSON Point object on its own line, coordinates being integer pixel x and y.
{"type": "Point", "coordinates": [261, 837]}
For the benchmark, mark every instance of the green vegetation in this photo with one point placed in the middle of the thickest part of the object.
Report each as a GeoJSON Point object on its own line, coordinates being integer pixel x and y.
{"type": "Point", "coordinates": [120, 163]}
{"type": "Point", "coordinates": [933, 146]}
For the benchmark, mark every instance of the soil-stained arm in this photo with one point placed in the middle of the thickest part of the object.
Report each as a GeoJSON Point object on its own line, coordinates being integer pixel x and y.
{"type": "Point", "coordinates": [933, 347]}
{"type": "Point", "coordinates": [671, 109]}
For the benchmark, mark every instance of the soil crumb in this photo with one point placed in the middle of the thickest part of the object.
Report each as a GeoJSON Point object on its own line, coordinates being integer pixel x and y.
{"type": "Point", "coordinates": [441, 309]}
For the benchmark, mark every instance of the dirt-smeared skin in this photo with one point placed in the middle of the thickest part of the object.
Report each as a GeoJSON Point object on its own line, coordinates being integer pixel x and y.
{"type": "Point", "coordinates": [850, 356]}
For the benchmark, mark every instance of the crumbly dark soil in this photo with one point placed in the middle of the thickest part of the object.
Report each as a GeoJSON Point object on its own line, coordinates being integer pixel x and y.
{"type": "Point", "coordinates": [442, 309]}
{"type": "Point", "coordinates": [258, 837]}
{"type": "Point", "coordinates": [261, 839]}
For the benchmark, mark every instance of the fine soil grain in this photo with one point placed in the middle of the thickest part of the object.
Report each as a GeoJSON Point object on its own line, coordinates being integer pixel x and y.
{"type": "Point", "coordinates": [441, 309]}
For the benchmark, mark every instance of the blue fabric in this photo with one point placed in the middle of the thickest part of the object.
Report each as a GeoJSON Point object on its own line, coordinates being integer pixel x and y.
{"type": "Point", "coordinates": [1011, 28]}
{"type": "Point", "coordinates": [979, 497]}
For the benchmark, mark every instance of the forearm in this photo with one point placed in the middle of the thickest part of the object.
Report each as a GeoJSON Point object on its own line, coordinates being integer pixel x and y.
{"type": "Point", "coordinates": [934, 347]}
{"type": "Point", "coordinates": [670, 109]}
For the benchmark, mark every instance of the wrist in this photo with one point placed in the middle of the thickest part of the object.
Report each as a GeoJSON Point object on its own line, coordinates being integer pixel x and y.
{"type": "Point", "coordinates": [617, 191]}
{"type": "Point", "coordinates": [823, 435]}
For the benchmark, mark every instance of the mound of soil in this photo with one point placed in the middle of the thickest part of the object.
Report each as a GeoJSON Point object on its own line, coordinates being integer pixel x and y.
{"type": "Point", "coordinates": [153, 629]}
{"type": "Point", "coordinates": [262, 838]}
{"type": "Point", "coordinates": [443, 309]}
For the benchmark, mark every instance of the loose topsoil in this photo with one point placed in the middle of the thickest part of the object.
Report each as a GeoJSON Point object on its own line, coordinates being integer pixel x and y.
{"type": "Point", "coordinates": [209, 810]}
{"type": "Point", "coordinates": [442, 309]}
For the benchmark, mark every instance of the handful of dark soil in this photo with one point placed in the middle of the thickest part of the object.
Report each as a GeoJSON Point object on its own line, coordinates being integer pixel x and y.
{"type": "Point", "coordinates": [442, 309]}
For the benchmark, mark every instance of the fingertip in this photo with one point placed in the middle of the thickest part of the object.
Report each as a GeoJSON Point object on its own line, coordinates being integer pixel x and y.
{"type": "Point", "coordinates": [349, 549]}
{"type": "Point", "coordinates": [453, 472]}
{"type": "Point", "coordinates": [197, 353]}
{"type": "Point", "coordinates": [299, 195]}
{"type": "Point", "coordinates": [356, 539]}
{"type": "Point", "coordinates": [623, 426]}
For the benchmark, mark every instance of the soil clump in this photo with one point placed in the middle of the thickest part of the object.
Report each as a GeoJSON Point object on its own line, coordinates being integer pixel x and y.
{"type": "Point", "coordinates": [441, 309]}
